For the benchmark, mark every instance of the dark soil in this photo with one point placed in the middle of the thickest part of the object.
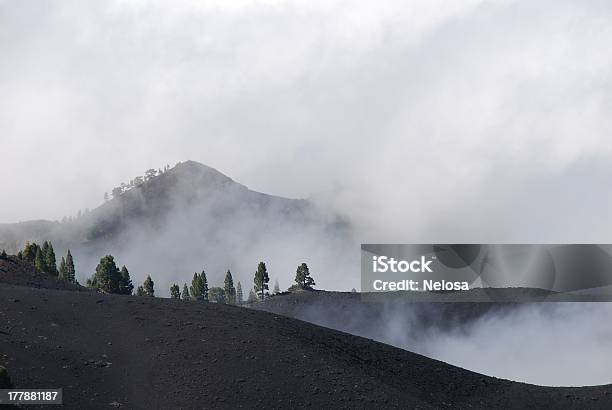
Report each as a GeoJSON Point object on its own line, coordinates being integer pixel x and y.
{"type": "Point", "coordinates": [107, 351]}
{"type": "Point", "coordinates": [14, 271]}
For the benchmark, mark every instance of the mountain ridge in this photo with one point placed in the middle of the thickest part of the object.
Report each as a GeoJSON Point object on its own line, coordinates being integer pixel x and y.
{"type": "Point", "coordinates": [189, 217]}
{"type": "Point", "coordinates": [187, 174]}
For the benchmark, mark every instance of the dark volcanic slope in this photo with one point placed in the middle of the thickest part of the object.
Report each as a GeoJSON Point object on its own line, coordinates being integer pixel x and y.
{"type": "Point", "coordinates": [17, 272]}
{"type": "Point", "coordinates": [162, 353]}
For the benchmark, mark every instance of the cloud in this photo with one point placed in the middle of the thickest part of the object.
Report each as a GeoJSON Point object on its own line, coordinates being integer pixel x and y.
{"type": "Point", "coordinates": [550, 344]}
{"type": "Point", "coordinates": [421, 122]}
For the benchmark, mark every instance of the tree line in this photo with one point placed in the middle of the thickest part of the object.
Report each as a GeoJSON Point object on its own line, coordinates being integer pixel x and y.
{"type": "Point", "coordinates": [136, 182]}
{"type": "Point", "coordinates": [44, 261]}
{"type": "Point", "coordinates": [109, 278]}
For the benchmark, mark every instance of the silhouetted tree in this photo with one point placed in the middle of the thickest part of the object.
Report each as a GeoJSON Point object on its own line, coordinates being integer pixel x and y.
{"type": "Point", "coordinates": [49, 256]}
{"type": "Point", "coordinates": [303, 278]}
{"type": "Point", "coordinates": [239, 295]}
{"type": "Point", "coordinates": [140, 291]}
{"type": "Point", "coordinates": [126, 287]}
{"type": "Point", "coordinates": [3, 254]}
{"type": "Point", "coordinates": [62, 273]}
{"type": "Point", "coordinates": [116, 192]}
{"type": "Point", "coordinates": [185, 295]}
{"type": "Point", "coordinates": [217, 295]}
{"type": "Point", "coordinates": [107, 277]}
{"type": "Point", "coordinates": [39, 261]}
{"type": "Point", "coordinates": [261, 280]}
{"type": "Point", "coordinates": [70, 270]}
{"type": "Point", "coordinates": [150, 174]}
{"type": "Point", "coordinates": [29, 252]}
{"type": "Point", "coordinates": [199, 287]}
{"type": "Point", "coordinates": [204, 285]}
{"type": "Point", "coordinates": [175, 291]}
{"type": "Point", "coordinates": [195, 290]}
{"type": "Point", "coordinates": [276, 289]}
{"type": "Point", "coordinates": [44, 248]}
{"type": "Point", "coordinates": [229, 289]}
{"type": "Point", "coordinates": [148, 286]}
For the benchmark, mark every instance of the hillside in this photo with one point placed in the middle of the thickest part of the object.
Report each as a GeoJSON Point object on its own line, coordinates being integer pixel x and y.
{"type": "Point", "coordinates": [192, 217]}
{"type": "Point", "coordinates": [188, 185]}
{"type": "Point", "coordinates": [108, 350]}
{"type": "Point", "coordinates": [485, 337]}
{"type": "Point", "coordinates": [14, 271]}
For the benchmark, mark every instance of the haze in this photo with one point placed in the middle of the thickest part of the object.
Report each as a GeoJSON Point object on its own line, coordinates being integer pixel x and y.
{"type": "Point", "coordinates": [479, 121]}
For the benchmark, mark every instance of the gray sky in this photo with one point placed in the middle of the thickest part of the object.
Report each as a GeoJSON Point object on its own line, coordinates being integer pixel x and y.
{"type": "Point", "coordinates": [423, 121]}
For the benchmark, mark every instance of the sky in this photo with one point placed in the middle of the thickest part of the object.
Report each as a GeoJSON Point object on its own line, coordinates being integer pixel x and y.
{"type": "Point", "coordinates": [422, 121]}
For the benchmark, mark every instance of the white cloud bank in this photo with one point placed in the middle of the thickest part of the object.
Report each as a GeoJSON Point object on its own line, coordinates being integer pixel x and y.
{"type": "Point", "coordinates": [424, 121]}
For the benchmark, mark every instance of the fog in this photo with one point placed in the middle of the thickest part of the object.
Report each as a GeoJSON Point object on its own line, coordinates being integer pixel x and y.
{"type": "Point", "coordinates": [550, 344]}
{"type": "Point", "coordinates": [193, 218]}
{"type": "Point", "coordinates": [483, 122]}
{"type": "Point", "coordinates": [423, 123]}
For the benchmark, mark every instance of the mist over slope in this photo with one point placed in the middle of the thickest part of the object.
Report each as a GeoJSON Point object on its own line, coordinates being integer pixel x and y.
{"type": "Point", "coordinates": [193, 217]}
{"type": "Point", "coordinates": [552, 344]}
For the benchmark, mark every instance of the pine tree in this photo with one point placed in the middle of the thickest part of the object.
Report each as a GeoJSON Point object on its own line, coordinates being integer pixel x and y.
{"type": "Point", "coordinates": [196, 289]}
{"type": "Point", "coordinates": [50, 261]}
{"type": "Point", "coordinates": [252, 297]}
{"type": "Point", "coordinates": [29, 252]}
{"type": "Point", "coordinates": [39, 261]}
{"type": "Point", "coordinates": [303, 278]}
{"type": "Point", "coordinates": [107, 277]}
{"type": "Point", "coordinates": [140, 291]}
{"type": "Point", "coordinates": [239, 295]}
{"type": "Point", "coordinates": [185, 295]}
{"type": "Point", "coordinates": [45, 250]}
{"type": "Point", "coordinates": [150, 174]}
{"type": "Point", "coordinates": [62, 274]}
{"type": "Point", "coordinates": [229, 289]}
{"type": "Point", "coordinates": [126, 287]}
{"type": "Point", "coordinates": [276, 290]}
{"type": "Point", "coordinates": [199, 287]}
{"type": "Point", "coordinates": [3, 254]}
{"type": "Point", "coordinates": [175, 291]}
{"type": "Point", "coordinates": [204, 285]}
{"type": "Point", "coordinates": [70, 271]}
{"type": "Point", "coordinates": [148, 286]}
{"type": "Point", "coordinates": [261, 280]}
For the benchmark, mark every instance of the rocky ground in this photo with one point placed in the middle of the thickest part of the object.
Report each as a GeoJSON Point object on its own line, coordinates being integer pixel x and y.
{"type": "Point", "coordinates": [109, 351]}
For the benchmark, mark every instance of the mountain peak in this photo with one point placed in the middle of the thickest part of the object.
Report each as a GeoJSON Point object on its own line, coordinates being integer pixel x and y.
{"type": "Point", "coordinates": [196, 167]}
{"type": "Point", "coordinates": [196, 172]}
